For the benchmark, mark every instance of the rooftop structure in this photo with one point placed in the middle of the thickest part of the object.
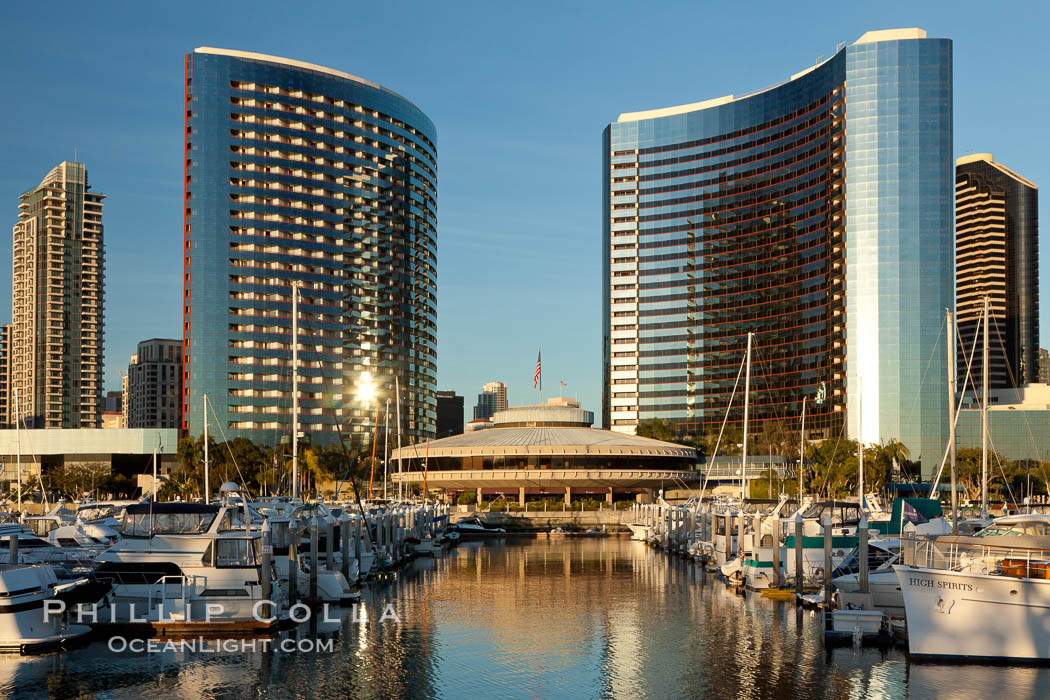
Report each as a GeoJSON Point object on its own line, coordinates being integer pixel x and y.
{"type": "Point", "coordinates": [546, 448]}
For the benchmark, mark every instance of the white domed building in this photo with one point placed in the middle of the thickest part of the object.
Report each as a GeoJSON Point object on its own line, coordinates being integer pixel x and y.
{"type": "Point", "coordinates": [543, 450]}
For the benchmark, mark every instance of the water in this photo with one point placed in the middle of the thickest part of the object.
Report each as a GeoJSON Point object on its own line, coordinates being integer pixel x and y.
{"type": "Point", "coordinates": [533, 619]}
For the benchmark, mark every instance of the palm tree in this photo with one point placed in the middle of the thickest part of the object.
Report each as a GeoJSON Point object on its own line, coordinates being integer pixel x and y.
{"type": "Point", "coordinates": [897, 453]}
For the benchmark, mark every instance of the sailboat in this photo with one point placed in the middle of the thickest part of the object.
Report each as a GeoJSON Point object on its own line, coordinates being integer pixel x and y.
{"type": "Point", "coordinates": [985, 596]}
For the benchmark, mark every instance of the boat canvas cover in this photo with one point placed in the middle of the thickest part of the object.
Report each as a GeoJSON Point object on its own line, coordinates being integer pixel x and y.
{"type": "Point", "coordinates": [176, 508]}
{"type": "Point", "coordinates": [928, 508]}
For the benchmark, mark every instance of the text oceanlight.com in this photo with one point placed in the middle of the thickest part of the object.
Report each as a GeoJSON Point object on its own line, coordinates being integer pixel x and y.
{"type": "Point", "coordinates": [223, 646]}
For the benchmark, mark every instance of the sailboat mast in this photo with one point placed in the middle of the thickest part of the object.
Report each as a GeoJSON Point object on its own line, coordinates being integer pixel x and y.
{"type": "Point", "coordinates": [747, 403]}
{"type": "Point", "coordinates": [386, 445]}
{"type": "Point", "coordinates": [207, 474]}
{"type": "Point", "coordinates": [860, 439]}
{"type": "Point", "coordinates": [951, 418]}
{"type": "Point", "coordinates": [802, 450]}
{"type": "Point", "coordinates": [984, 413]}
{"type": "Point", "coordinates": [295, 390]}
{"type": "Point", "coordinates": [397, 391]}
{"type": "Point", "coordinates": [18, 451]}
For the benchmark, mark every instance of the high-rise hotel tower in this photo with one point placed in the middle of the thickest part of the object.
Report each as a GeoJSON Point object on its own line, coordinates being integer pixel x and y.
{"type": "Point", "coordinates": [55, 337]}
{"type": "Point", "coordinates": [300, 174]}
{"type": "Point", "coordinates": [817, 215]}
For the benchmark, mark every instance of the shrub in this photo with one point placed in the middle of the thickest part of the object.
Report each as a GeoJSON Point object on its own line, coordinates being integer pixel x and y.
{"type": "Point", "coordinates": [467, 498]}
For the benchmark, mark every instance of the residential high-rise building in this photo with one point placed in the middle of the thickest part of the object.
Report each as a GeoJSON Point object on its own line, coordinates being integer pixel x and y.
{"type": "Point", "coordinates": [996, 255]}
{"type": "Point", "coordinates": [6, 414]}
{"type": "Point", "coordinates": [815, 215]}
{"type": "Point", "coordinates": [154, 385]}
{"type": "Point", "coordinates": [297, 174]}
{"type": "Point", "coordinates": [1044, 366]}
{"type": "Point", "coordinates": [56, 302]}
{"type": "Point", "coordinates": [486, 405]}
{"type": "Point", "coordinates": [113, 402]}
{"type": "Point", "coordinates": [449, 414]}
{"type": "Point", "coordinates": [500, 390]}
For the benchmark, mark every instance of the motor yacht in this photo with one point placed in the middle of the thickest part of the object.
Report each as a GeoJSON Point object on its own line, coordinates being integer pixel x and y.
{"type": "Point", "coordinates": [188, 568]}
{"type": "Point", "coordinates": [25, 627]}
{"type": "Point", "coordinates": [473, 528]}
{"type": "Point", "coordinates": [980, 597]}
{"type": "Point", "coordinates": [332, 586]}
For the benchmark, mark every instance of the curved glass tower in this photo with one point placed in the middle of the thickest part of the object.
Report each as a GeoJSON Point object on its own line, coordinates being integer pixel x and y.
{"type": "Point", "coordinates": [296, 173]}
{"type": "Point", "coordinates": [817, 215]}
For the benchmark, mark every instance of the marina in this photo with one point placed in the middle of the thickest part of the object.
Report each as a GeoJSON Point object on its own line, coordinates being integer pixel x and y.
{"type": "Point", "coordinates": [523, 618]}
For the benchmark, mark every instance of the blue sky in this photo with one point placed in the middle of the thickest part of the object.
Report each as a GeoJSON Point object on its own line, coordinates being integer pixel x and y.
{"type": "Point", "coordinates": [520, 94]}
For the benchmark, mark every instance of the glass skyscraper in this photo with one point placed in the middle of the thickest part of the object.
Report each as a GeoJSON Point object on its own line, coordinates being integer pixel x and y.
{"type": "Point", "coordinates": [996, 255]}
{"type": "Point", "coordinates": [816, 214]}
{"type": "Point", "coordinates": [297, 173]}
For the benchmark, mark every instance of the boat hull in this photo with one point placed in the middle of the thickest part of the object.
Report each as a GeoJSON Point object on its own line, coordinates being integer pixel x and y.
{"type": "Point", "coordinates": [884, 587]}
{"type": "Point", "coordinates": [639, 531]}
{"type": "Point", "coordinates": [958, 615]}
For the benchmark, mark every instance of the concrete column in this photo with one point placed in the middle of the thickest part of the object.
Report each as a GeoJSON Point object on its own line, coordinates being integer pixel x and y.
{"type": "Point", "coordinates": [521, 496]}
{"type": "Point", "coordinates": [609, 496]}
{"type": "Point", "coordinates": [799, 568]}
{"type": "Point", "coordinates": [568, 497]}
{"type": "Point", "coordinates": [827, 559]}
{"type": "Point", "coordinates": [862, 534]}
{"type": "Point", "coordinates": [776, 552]}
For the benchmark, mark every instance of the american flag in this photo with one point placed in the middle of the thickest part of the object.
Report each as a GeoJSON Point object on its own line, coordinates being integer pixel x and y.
{"type": "Point", "coordinates": [537, 378]}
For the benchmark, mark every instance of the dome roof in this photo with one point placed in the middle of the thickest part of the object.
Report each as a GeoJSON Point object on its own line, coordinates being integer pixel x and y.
{"type": "Point", "coordinates": [545, 441]}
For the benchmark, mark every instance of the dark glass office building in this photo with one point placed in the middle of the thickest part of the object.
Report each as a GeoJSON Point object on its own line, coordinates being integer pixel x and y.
{"type": "Point", "coordinates": [816, 214]}
{"type": "Point", "coordinates": [297, 173]}
{"type": "Point", "coordinates": [449, 414]}
{"type": "Point", "coordinates": [996, 255]}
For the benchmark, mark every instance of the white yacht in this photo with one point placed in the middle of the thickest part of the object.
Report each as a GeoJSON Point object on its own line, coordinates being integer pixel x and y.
{"type": "Point", "coordinates": [980, 597]}
{"type": "Point", "coordinates": [639, 531]}
{"type": "Point", "coordinates": [882, 579]}
{"type": "Point", "coordinates": [927, 518]}
{"type": "Point", "coordinates": [332, 586]}
{"type": "Point", "coordinates": [187, 568]}
{"type": "Point", "coordinates": [473, 528]}
{"type": "Point", "coordinates": [24, 626]}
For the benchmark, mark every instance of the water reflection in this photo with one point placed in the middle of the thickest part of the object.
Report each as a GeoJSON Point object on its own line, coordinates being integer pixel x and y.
{"type": "Point", "coordinates": [539, 618]}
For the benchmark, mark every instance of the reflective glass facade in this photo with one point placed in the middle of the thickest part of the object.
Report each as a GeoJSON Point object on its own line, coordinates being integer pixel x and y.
{"type": "Point", "coordinates": [298, 173]}
{"type": "Point", "coordinates": [802, 213]}
{"type": "Point", "coordinates": [1012, 434]}
{"type": "Point", "coordinates": [997, 255]}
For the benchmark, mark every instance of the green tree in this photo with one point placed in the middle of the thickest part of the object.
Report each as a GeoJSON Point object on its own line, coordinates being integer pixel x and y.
{"type": "Point", "coordinates": [657, 429]}
{"type": "Point", "coordinates": [899, 456]}
{"type": "Point", "coordinates": [968, 472]}
{"type": "Point", "coordinates": [834, 467]}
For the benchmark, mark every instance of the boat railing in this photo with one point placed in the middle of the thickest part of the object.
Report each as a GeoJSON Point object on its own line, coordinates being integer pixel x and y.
{"type": "Point", "coordinates": [185, 588]}
{"type": "Point", "coordinates": [970, 557]}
